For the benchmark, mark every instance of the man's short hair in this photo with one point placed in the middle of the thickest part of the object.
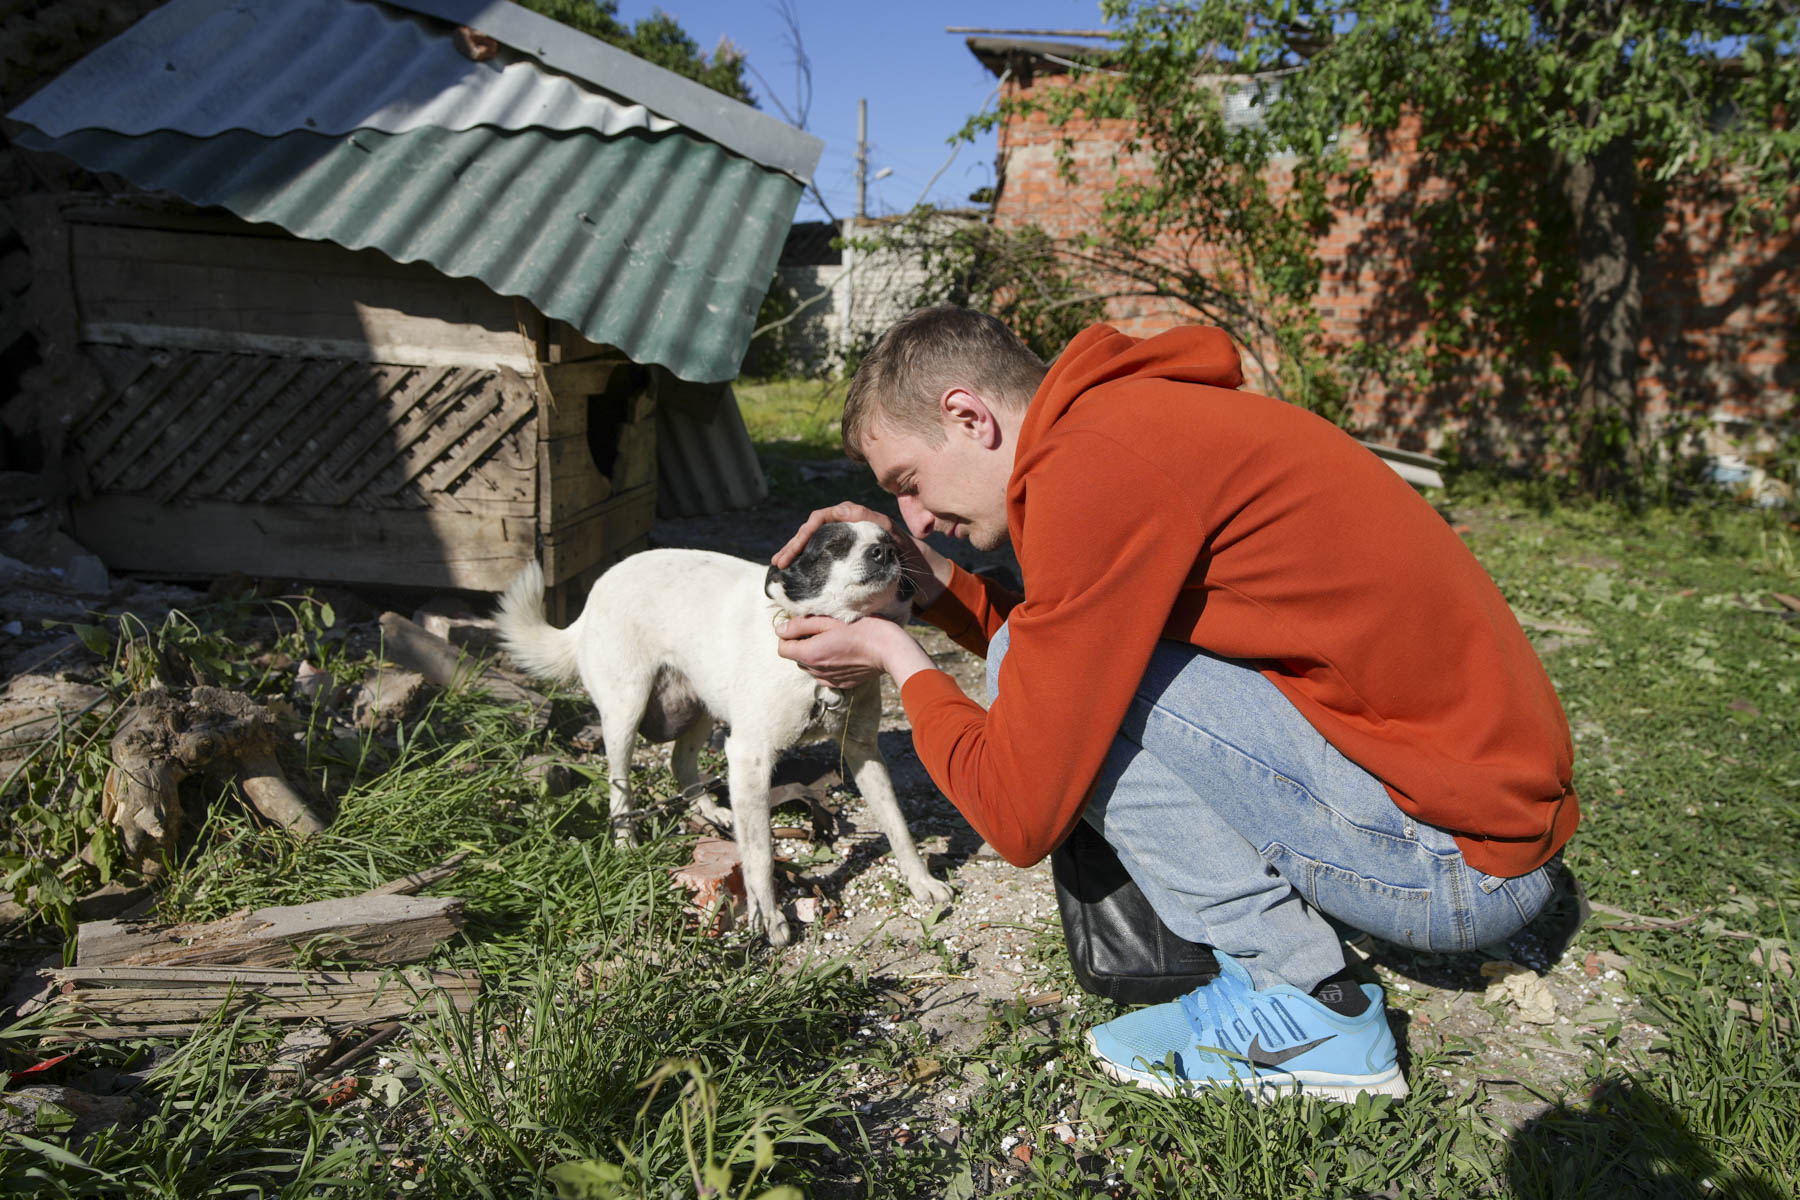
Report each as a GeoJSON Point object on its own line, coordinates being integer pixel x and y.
{"type": "Point", "coordinates": [923, 355]}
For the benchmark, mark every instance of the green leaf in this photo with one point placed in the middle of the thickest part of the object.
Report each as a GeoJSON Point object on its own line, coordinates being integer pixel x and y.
{"type": "Point", "coordinates": [587, 1179]}
{"type": "Point", "coordinates": [53, 1152]}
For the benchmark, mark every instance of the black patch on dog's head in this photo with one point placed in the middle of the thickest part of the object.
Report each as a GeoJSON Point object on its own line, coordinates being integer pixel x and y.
{"type": "Point", "coordinates": [805, 577]}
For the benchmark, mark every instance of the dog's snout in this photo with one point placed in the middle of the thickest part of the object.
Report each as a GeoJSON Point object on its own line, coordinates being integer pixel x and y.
{"type": "Point", "coordinates": [881, 552]}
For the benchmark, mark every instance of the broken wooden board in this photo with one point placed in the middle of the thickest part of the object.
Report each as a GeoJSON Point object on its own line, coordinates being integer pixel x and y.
{"type": "Point", "coordinates": [121, 1002]}
{"type": "Point", "coordinates": [375, 927]}
{"type": "Point", "coordinates": [416, 649]}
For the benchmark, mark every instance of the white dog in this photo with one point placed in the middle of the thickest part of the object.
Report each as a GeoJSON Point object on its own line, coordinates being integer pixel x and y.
{"type": "Point", "coordinates": [672, 639]}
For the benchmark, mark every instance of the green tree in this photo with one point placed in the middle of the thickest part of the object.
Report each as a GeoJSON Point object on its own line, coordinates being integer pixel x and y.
{"type": "Point", "coordinates": [1560, 126]}
{"type": "Point", "coordinates": [1186, 213]}
{"type": "Point", "coordinates": [658, 39]}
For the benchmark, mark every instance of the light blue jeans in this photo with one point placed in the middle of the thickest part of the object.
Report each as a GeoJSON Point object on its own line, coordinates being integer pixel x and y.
{"type": "Point", "coordinates": [1242, 824]}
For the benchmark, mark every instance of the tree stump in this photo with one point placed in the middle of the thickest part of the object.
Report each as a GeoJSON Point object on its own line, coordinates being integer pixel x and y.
{"type": "Point", "coordinates": [163, 741]}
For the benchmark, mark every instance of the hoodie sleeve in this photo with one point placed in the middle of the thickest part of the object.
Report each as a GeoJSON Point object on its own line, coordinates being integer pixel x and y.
{"type": "Point", "coordinates": [1106, 565]}
{"type": "Point", "coordinates": [970, 610]}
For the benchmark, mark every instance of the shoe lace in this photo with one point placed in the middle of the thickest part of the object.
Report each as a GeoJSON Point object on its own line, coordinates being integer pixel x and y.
{"type": "Point", "coordinates": [1210, 1011]}
{"type": "Point", "coordinates": [1212, 1006]}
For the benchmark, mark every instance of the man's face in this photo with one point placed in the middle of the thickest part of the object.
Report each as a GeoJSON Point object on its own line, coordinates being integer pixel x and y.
{"type": "Point", "coordinates": [956, 487]}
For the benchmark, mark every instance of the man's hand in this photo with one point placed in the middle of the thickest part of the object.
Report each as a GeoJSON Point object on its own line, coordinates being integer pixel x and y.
{"type": "Point", "coordinates": [843, 655]}
{"type": "Point", "coordinates": [928, 570]}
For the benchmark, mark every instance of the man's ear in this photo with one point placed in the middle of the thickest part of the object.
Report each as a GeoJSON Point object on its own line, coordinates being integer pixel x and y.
{"type": "Point", "coordinates": [970, 415]}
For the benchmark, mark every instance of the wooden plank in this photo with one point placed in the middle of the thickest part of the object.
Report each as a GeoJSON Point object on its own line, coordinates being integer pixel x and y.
{"type": "Point", "coordinates": [568, 482]}
{"type": "Point", "coordinates": [499, 477]}
{"type": "Point", "coordinates": [485, 407]}
{"type": "Point", "coordinates": [379, 430]}
{"type": "Point", "coordinates": [415, 547]}
{"type": "Point", "coordinates": [565, 413]}
{"type": "Point", "coordinates": [173, 337]}
{"type": "Point", "coordinates": [174, 427]}
{"type": "Point", "coordinates": [180, 286]}
{"type": "Point", "coordinates": [182, 388]}
{"type": "Point", "coordinates": [635, 465]}
{"type": "Point", "coordinates": [459, 401]}
{"type": "Point", "coordinates": [213, 433]}
{"type": "Point", "coordinates": [370, 396]}
{"type": "Point", "coordinates": [384, 928]}
{"type": "Point", "coordinates": [598, 536]}
{"type": "Point", "coordinates": [121, 370]}
{"type": "Point", "coordinates": [133, 1001]}
{"type": "Point", "coordinates": [112, 417]}
{"type": "Point", "coordinates": [260, 427]}
{"type": "Point", "coordinates": [578, 380]}
{"type": "Point", "coordinates": [444, 474]}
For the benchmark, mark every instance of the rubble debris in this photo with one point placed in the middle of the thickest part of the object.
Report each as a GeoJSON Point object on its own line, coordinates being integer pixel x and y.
{"type": "Point", "coordinates": [388, 696]}
{"type": "Point", "coordinates": [34, 1111]}
{"type": "Point", "coordinates": [449, 618]}
{"type": "Point", "coordinates": [1523, 988]}
{"type": "Point", "coordinates": [554, 775]}
{"type": "Point", "coordinates": [33, 706]}
{"type": "Point", "coordinates": [716, 879]}
{"type": "Point", "coordinates": [304, 1050]}
{"type": "Point", "coordinates": [309, 680]}
{"type": "Point", "coordinates": [163, 740]}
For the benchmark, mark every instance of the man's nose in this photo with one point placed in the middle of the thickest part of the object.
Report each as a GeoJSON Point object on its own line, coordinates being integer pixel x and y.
{"type": "Point", "coordinates": [917, 519]}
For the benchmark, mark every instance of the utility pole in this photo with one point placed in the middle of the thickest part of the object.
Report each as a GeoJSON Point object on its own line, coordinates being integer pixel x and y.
{"type": "Point", "coordinates": [862, 159]}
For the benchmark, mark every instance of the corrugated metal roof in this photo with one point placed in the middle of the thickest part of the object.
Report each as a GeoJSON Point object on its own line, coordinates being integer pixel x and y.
{"type": "Point", "coordinates": [713, 116]}
{"type": "Point", "coordinates": [325, 66]}
{"type": "Point", "coordinates": [659, 243]}
{"type": "Point", "coordinates": [705, 466]}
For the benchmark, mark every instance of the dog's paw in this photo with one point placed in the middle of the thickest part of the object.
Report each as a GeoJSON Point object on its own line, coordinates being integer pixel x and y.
{"type": "Point", "coordinates": [771, 925]}
{"type": "Point", "coordinates": [932, 891]}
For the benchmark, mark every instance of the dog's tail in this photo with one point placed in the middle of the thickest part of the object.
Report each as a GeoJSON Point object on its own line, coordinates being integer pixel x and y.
{"type": "Point", "coordinates": [537, 646]}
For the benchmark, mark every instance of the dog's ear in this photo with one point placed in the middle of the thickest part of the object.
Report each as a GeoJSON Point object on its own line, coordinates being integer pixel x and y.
{"type": "Point", "coordinates": [775, 586]}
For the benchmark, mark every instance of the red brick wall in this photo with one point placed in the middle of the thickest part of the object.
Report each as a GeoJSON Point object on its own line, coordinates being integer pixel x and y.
{"type": "Point", "coordinates": [1721, 314]}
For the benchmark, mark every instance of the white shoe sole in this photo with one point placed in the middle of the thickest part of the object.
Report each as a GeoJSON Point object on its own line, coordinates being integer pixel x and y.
{"type": "Point", "coordinates": [1261, 1087]}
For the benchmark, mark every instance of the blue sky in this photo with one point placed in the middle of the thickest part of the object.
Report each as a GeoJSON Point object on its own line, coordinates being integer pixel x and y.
{"type": "Point", "coordinates": [921, 83]}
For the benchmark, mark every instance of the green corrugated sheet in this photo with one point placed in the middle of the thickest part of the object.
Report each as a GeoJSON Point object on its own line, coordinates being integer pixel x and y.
{"type": "Point", "coordinates": [659, 244]}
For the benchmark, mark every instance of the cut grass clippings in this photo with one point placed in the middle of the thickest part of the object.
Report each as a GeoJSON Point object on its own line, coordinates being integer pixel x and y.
{"type": "Point", "coordinates": [616, 1052]}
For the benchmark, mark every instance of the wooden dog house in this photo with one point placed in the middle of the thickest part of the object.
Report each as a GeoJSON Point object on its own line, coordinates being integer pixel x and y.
{"type": "Point", "coordinates": [382, 328]}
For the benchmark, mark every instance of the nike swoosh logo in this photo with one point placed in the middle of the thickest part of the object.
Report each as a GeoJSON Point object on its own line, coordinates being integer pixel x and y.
{"type": "Point", "coordinates": [1274, 1058]}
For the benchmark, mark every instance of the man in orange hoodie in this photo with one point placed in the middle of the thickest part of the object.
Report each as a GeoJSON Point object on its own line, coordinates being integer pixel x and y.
{"type": "Point", "coordinates": [1248, 654]}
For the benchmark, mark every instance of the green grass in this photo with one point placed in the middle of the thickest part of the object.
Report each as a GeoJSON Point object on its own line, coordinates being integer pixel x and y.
{"type": "Point", "coordinates": [796, 418]}
{"type": "Point", "coordinates": [678, 1055]}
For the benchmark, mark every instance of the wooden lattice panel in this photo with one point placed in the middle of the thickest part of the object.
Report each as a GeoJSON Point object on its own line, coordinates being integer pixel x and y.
{"type": "Point", "coordinates": [185, 426]}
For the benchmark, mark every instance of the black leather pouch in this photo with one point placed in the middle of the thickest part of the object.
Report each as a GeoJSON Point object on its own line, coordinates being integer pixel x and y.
{"type": "Point", "coordinates": [1117, 944]}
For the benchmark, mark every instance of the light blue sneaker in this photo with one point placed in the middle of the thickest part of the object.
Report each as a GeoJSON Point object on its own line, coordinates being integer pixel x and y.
{"type": "Point", "coordinates": [1272, 1042]}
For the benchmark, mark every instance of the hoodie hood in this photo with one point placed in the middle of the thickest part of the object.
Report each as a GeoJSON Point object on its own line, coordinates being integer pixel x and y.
{"type": "Point", "coordinates": [1100, 354]}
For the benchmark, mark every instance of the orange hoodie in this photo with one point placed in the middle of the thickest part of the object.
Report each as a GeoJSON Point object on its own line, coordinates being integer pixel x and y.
{"type": "Point", "coordinates": [1152, 499]}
